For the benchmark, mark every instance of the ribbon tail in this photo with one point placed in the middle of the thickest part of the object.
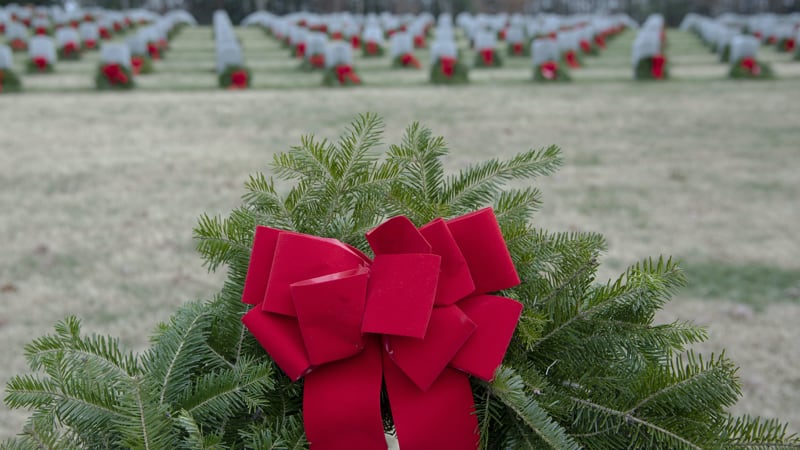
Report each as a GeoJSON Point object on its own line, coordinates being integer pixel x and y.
{"type": "Point", "coordinates": [342, 402]}
{"type": "Point", "coordinates": [443, 417]}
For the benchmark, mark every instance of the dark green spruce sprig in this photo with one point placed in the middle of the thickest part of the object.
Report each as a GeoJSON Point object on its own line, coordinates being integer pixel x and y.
{"type": "Point", "coordinates": [586, 369]}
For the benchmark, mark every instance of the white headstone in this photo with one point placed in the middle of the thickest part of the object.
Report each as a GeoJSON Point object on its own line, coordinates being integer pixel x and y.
{"type": "Point", "coordinates": [485, 39]}
{"type": "Point", "coordinates": [229, 54]}
{"type": "Point", "coordinates": [543, 50]}
{"type": "Point", "coordinates": [515, 35]}
{"type": "Point", "coordinates": [16, 30]}
{"type": "Point", "coordinates": [400, 44]}
{"type": "Point", "coordinates": [42, 47]}
{"type": "Point", "coordinates": [67, 35]}
{"type": "Point", "coordinates": [90, 31]}
{"type": "Point", "coordinates": [446, 48]}
{"type": "Point", "coordinates": [137, 45]}
{"type": "Point", "coordinates": [568, 40]}
{"type": "Point", "coordinates": [6, 58]}
{"type": "Point", "coordinates": [743, 47]}
{"type": "Point", "coordinates": [338, 53]}
{"type": "Point", "coordinates": [113, 53]}
{"type": "Point", "coordinates": [373, 34]}
{"type": "Point", "coordinates": [316, 44]}
{"type": "Point", "coordinates": [646, 44]}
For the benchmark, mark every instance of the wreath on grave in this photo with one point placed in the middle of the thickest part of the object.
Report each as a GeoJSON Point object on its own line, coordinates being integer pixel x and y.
{"type": "Point", "coordinates": [299, 50]}
{"type": "Point", "coordinates": [43, 31]}
{"type": "Point", "coordinates": [572, 59]}
{"type": "Point", "coordinates": [449, 70]}
{"type": "Point", "coordinates": [522, 347]}
{"type": "Point", "coordinates": [518, 49]}
{"type": "Point", "coordinates": [407, 60]}
{"type": "Point", "coordinates": [155, 51]}
{"type": "Point", "coordinates": [39, 64]}
{"type": "Point", "coordinates": [113, 76]}
{"type": "Point", "coordinates": [652, 68]}
{"type": "Point", "coordinates": [551, 71]}
{"type": "Point", "coordinates": [235, 77]}
{"type": "Point", "coordinates": [588, 48]}
{"type": "Point", "coordinates": [787, 45]}
{"type": "Point", "coordinates": [341, 75]}
{"type": "Point", "coordinates": [90, 44]}
{"type": "Point", "coordinates": [313, 62]}
{"type": "Point", "coordinates": [725, 54]}
{"type": "Point", "coordinates": [9, 81]}
{"type": "Point", "coordinates": [372, 49]}
{"type": "Point", "coordinates": [751, 69]}
{"type": "Point", "coordinates": [419, 41]}
{"type": "Point", "coordinates": [18, 45]}
{"type": "Point", "coordinates": [489, 57]}
{"type": "Point", "coordinates": [141, 64]}
{"type": "Point", "coordinates": [69, 52]}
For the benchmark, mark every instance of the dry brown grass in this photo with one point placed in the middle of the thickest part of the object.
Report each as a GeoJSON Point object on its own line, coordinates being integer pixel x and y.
{"type": "Point", "coordinates": [99, 193]}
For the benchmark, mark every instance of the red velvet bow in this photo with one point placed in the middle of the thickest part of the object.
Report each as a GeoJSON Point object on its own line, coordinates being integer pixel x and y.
{"type": "Point", "coordinates": [789, 45]}
{"type": "Point", "coordinates": [346, 73]}
{"type": "Point", "coordinates": [549, 70]}
{"type": "Point", "coordinates": [114, 74]}
{"type": "Point", "coordinates": [409, 59]}
{"type": "Point", "coordinates": [238, 79]}
{"type": "Point", "coordinates": [372, 48]}
{"type": "Point", "coordinates": [40, 62]}
{"type": "Point", "coordinates": [502, 34]}
{"type": "Point", "coordinates": [355, 41]}
{"type": "Point", "coordinates": [19, 44]}
{"type": "Point", "coordinates": [336, 36]}
{"type": "Point", "coordinates": [418, 318]}
{"type": "Point", "coordinates": [572, 59]}
{"type": "Point", "coordinates": [152, 49]}
{"type": "Point", "coordinates": [419, 41]}
{"type": "Point", "coordinates": [448, 65]}
{"type": "Point", "coordinates": [69, 48]}
{"type": "Point", "coordinates": [487, 55]}
{"type": "Point", "coordinates": [751, 65]}
{"type": "Point", "coordinates": [757, 35]}
{"type": "Point", "coordinates": [317, 60]}
{"type": "Point", "coordinates": [136, 64]}
{"type": "Point", "coordinates": [657, 66]}
{"type": "Point", "coordinates": [586, 46]}
{"type": "Point", "coordinates": [41, 31]}
{"type": "Point", "coordinates": [600, 41]}
{"type": "Point", "coordinates": [771, 40]}
{"type": "Point", "coordinates": [517, 48]}
{"type": "Point", "coordinates": [75, 23]}
{"type": "Point", "coordinates": [300, 50]}
{"type": "Point", "coordinates": [105, 34]}
{"type": "Point", "coordinates": [90, 44]}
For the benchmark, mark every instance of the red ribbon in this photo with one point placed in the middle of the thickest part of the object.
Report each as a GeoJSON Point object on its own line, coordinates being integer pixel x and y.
{"type": "Point", "coordinates": [771, 40]}
{"type": "Point", "coordinates": [502, 34]}
{"type": "Point", "coordinates": [586, 46]}
{"type": "Point", "coordinates": [517, 48]}
{"type": "Point", "coordinates": [757, 35]}
{"type": "Point", "coordinates": [751, 65]}
{"type": "Point", "coordinates": [152, 49]}
{"type": "Point", "coordinates": [136, 64]}
{"type": "Point", "coordinates": [419, 41]}
{"type": "Point", "coordinates": [317, 61]}
{"type": "Point", "coordinates": [549, 70]}
{"type": "Point", "coordinates": [571, 59]}
{"type": "Point", "coordinates": [346, 73]}
{"type": "Point", "coordinates": [90, 44]}
{"type": "Point", "coordinates": [355, 41]}
{"type": "Point", "coordinates": [75, 24]}
{"type": "Point", "coordinates": [448, 65]}
{"type": "Point", "coordinates": [69, 48]}
{"type": "Point", "coordinates": [41, 31]}
{"type": "Point", "coordinates": [114, 74]}
{"type": "Point", "coordinates": [41, 63]}
{"type": "Point", "coordinates": [600, 41]}
{"type": "Point", "coordinates": [19, 44]}
{"type": "Point", "coordinates": [300, 50]}
{"type": "Point", "coordinates": [657, 66]}
{"type": "Point", "coordinates": [238, 79]}
{"type": "Point", "coordinates": [789, 45]}
{"type": "Point", "coordinates": [417, 318]}
{"type": "Point", "coordinates": [487, 55]}
{"type": "Point", "coordinates": [372, 48]}
{"type": "Point", "coordinates": [409, 59]}
{"type": "Point", "coordinates": [336, 36]}
{"type": "Point", "coordinates": [105, 34]}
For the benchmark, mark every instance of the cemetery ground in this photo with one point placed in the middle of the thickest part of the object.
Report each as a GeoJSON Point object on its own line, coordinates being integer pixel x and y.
{"type": "Point", "coordinates": [99, 192]}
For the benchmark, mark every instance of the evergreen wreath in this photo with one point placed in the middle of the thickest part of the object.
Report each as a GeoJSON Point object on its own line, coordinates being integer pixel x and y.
{"type": "Point", "coordinates": [586, 367]}
{"type": "Point", "coordinates": [644, 69]}
{"type": "Point", "coordinates": [39, 64]}
{"type": "Point", "coordinates": [9, 81]}
{"type": "Point", "coordinates": [142, 64]}
{"type": "Point", "coordinates": [751, 69]}
{"type": "Point", "coordinates": [235, 77]}
{"type": "Point", "coordinates": [460, 73]}
{"type": "Point", "coordinates": [113, 77]}
{"type": "Point", "coordinates": [494, 57]}
{"type": "Point", "coordinates": [551, 71]}
{"type": "Point", "coordinates": [69, 52]}
{"type": "Point", "coordinates": [518, 49]}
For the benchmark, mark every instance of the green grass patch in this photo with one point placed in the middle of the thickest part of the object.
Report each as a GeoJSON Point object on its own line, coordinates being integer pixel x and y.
{"type": "Point", "coordinates": [754, 284]}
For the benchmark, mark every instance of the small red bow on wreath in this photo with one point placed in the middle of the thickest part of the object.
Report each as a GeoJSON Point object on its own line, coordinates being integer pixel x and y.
{"type": "Point", "coordinates": [448, 65]}
{"type": "Point", "coordinates": [317, 61]}
{"type": "Point", "coordinates": [549, 70]}
{"type": "Point", "coordinates": [114, 74]}
{"type": "Point", "coordinates": [136, 64]}
{"type": "Point", "coordinates": [600, 41]}
{"type": "Point", "coordinates": [372, 48]}
{"type": "Point", "coordinates": [41, 31]}
{"type": "Point", "coordinates": [586, 46]}
{"type": "Point", "coordinates": [789, 45]}
{"type": "Point", "coordinates": [419, 41]}
{"type": "Point", "coordinates": [152, 49]}
{"type": "Point", "coordinates": [409, 59]}
{"type": "Point", "coordinates": [19, 44]}
{"type": "Point", "coordinates": [355, 41]}
{"type": "Point", "coordinates": [41, 63]}
{"type": "Point", "coordinates": [657, 66]}
{"type": "Point", "coordinates": [238, 80]}
{"type": "Point", "coordinates": [751, 65]}
{"type": "Point", "coordinates": [488, 56]}
{"type": "Point", "coordinates": [105, 34]}
{"type": "Point", "coordinates": [336, 36]}
{"type": "Point", "coordinates": [517, 48]}
{"type": "Point", "coordinates": [90, 44]}
{"type": "Point", "coordinates": [418, 318]}
{"type": "Point", "coordinates": [572, 59]}
{"type": "Point", "coordinates": [345, 73]}
{"type": "Point", "coordinates": [300, 50]}
{"type": "Point", "coordinates": [70, 48]}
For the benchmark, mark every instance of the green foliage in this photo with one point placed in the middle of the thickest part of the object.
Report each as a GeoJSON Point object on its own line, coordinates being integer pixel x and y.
{"type": "Point", "coordinates": [460, 74]}
{"type": "Point", "coordinates": [586, 368]}
{"type": "Point", "coordinates": [9, 81]}
{"type": "Point", "coordinates": [643, 70]}
{"type": "Point", "coordinates": [739, 71]}
{"type": "Point", "coordinates": [225, 79]}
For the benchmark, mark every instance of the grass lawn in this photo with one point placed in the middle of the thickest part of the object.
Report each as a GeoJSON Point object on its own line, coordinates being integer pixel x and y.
{"type": "Point", "coordinates": [99, 192]}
